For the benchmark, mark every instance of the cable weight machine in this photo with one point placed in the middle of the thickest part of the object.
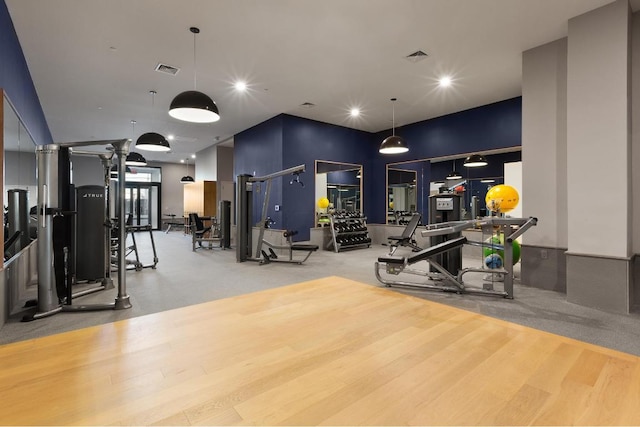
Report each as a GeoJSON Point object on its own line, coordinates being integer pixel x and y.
{"type": "Point", "coordinates": [245, 184]}
{"type": "Point", "coordinates": [54, 229]}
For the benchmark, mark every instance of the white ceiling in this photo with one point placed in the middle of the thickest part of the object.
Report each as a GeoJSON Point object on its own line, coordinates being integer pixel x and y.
{"type": "Point", "coordinates": [93, 61]}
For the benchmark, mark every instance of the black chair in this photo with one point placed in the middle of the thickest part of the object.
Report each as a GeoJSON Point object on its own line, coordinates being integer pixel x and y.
{"type": "Point", "coordinates": [407, 237]}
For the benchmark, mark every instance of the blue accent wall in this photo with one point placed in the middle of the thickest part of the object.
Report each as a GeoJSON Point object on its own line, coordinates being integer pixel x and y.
{"type": "Point", "coordinates": [15, 80]}
{"type": "Point", "coordinates": [490, 127]}
{"type": "Point", "coordinates": [306, 141]}
{"type": "Point", "coordinates": [286, 141]}
{"type": "Point", "coordinates": [258, 152]}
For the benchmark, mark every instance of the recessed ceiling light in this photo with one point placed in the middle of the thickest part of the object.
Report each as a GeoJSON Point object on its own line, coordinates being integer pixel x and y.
{"type": "Point", "coordinates": [240, 86]}
{"type": "Point", "coordinates": [355, 112]}
{"type": "Point", "coordinates": [445, 81]}
{"type": "Point", "coordinates": [193, 156]}
{"type": "Point", "coordinates": [307, 105]}
{"type": "Point", "coordinates": [181, 160]}
{"type": "Point", "coordinates": [170, 137]}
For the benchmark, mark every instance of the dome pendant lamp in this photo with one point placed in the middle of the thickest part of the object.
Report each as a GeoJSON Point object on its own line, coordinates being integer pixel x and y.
{"type": "Point", "coordinates": [393, 144]}
{"type": "Point", "coordinates": [454, 175]}
{"type": "Point", "coordinates": [187, 179]}
{"type": "Point", "coordinates": [193, 106]}
{"type": "Point", "coordinates": [133, 158]}
{"type": "Point", "coordinates": [152, 141]}
{"type": "Point", "coordinates": [475, 161]}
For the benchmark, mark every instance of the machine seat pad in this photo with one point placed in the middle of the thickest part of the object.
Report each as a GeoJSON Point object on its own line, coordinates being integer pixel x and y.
{"type": "Point", "coordinates": [392, 259]}
{"type": "Point", "coordinates": [308, 248]}
{"type": "Point", "coordinates": [437, 249]}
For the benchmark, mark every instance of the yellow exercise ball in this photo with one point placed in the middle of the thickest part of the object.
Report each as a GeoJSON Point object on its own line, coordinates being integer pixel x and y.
{"type": "Point", "coordinates": [323, 202]}
{"type": "Point", "coordinates": [502, 198]}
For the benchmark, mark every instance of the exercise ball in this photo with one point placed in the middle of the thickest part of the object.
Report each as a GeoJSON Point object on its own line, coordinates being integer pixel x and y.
{"type": "Point", "coordinates": [500, 241]}
{"type": "Point", "coordinates": [493, 261]}
{"type": "Point", "coordinates": [502, 198]}
{"type": "Point", "coordinates": [323, 203]}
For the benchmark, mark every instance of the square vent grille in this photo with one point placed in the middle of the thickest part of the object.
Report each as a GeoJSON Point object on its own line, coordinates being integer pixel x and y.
{"type": "Point", "coordinates": [167, 69]}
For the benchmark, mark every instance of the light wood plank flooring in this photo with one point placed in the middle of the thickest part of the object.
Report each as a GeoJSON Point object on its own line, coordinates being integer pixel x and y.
{"type": "Point", "coordinates": [324, 352]}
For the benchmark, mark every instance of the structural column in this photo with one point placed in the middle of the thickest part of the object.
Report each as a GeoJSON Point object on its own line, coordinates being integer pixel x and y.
{"type": "Point", "coordinates": [599, 272]}
{"type": "Point", "coordinates": [544, 164]}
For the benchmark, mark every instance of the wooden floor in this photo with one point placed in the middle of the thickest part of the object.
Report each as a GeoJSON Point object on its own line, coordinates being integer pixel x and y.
{"type": "Point", "coordinates": [329, 351]}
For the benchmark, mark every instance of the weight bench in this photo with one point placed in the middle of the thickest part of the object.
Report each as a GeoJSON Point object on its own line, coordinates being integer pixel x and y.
{"type": "Point", "coordinates": [290, 247]}
{"type": "Point", "coordinates": [441, 280]}
{"type": "Point", "coordinates": [406, 239]}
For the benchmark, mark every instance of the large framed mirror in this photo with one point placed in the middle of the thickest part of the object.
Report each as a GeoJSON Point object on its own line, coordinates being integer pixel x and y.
{"type": "Point", "coordinates": [402, 195]}
{"type": "Point", "coordinates": [341, 184]}
{"type": "Point", "coordinates": [19, 186]}
{"type": "Point", "coordinates": [434, 175]}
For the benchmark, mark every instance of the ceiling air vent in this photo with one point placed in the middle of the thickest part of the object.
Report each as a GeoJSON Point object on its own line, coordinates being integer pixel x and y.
{"type": "Point", "coordinates": [307, 105]}
{"type": "Point", "coordinates": [167, 69]}
{"type": "Point", "coordinates": [416, 56]}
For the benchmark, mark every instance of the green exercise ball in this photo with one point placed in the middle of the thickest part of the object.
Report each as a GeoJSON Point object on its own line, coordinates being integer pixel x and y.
{"type": "Point", "coordinates": [500, 241]}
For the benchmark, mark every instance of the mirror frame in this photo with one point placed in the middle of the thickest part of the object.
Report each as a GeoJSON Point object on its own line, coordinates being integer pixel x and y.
{"type": "Point", "coordinates": [349, 167]}
{"type": "Point", "coordinates": [415, 182]}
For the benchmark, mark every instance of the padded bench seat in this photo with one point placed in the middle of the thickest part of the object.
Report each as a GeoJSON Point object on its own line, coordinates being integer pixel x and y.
{"type": "Point", "coordinates": [425, 253]}
{"type": "Point", "coordinates": [308, 248]}
{"type": "Point", "coordinates": [392, 259]}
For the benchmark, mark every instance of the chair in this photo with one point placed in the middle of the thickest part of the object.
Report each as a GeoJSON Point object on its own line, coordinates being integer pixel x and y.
{"type": "Point", "coordinates": [406, 239]}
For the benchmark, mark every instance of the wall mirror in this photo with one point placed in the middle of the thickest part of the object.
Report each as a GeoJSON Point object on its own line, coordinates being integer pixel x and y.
{"type": "Point", "coordinates": [341, 184]}
{"type": "Point", "coordinates": [19, 164]}
{"type": "Point", "coordinates": [402, 200]}
{"type": "Point", "coordinates": [431, 177]}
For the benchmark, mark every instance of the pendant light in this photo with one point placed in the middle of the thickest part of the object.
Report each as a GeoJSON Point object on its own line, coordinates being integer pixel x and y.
{"type": "Point", "coordinates": [113, 172]}
{"type": "Point", "coordinates": [475, 161]}
{"type": "Point", "coordinates": [133, 158]}
{"type": "Point", "coordinates": [152, 141]}
{"type": "Point", "coordinates": [187, 179]}
{"type": "Point", "coordinates": [193, 106]}
{"type": "Point", "coordinates": [454, 175]}
{"type": "Point", "coordinates": [393, 144]}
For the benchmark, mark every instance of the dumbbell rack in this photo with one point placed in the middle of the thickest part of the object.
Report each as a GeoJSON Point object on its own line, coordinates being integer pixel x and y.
{"type": "Point", "coordinates": [348, 231]}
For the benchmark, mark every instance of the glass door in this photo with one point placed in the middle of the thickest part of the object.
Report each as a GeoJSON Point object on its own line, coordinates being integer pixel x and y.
{"type": "Point", "coordinates": [141, 202]}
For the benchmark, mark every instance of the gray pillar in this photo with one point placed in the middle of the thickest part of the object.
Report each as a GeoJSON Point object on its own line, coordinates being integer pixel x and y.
{"type": "Point", "coordinates": [599, 270]}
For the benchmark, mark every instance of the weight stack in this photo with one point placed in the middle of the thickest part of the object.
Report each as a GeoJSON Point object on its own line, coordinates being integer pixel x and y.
{"type": "Point", "coordinates": [444, 208]}
{"type": "Point", "coordinates": [90, 233]}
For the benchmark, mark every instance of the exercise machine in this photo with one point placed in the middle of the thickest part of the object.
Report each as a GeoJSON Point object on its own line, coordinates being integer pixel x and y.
{"type": "Point", "coordinates": [55, 213]}
{"type": "Point", "coordinates": [203, 234]}
{"type": "Point", "coordinates": [131, 230]}
{"type": "Point", "coordinates": [288, 248]}
{"type": "Point", "coordinates": [218, 231]}
{"type": "Point", "coordinates": [407, 238]}
{"type": "Point", "coordinates": [245, 188]}
{"type": "Point", "coordinates": [440, 278]}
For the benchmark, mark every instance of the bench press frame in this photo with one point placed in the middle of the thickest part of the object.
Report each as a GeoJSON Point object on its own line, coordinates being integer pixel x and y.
{"type": "Point", "coordinates": [443, 280]}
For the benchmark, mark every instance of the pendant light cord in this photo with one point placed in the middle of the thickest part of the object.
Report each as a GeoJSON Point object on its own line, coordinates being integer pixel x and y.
{"type": "Point", "coordinates": [195, 30]}
{"type": "Point", "coordinates": [195, 64]}
{"type": "Point", "coordinates": [393, 116]}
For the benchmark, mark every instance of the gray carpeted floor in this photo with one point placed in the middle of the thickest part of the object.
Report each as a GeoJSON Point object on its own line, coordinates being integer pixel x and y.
{"type": "Point", "coordinates": [183, 278]}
